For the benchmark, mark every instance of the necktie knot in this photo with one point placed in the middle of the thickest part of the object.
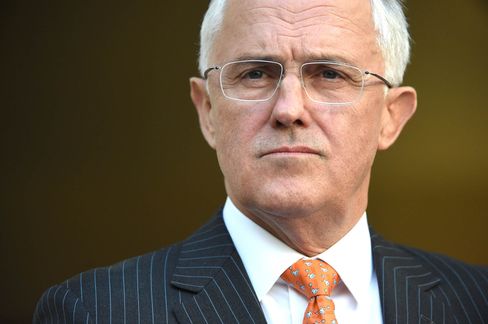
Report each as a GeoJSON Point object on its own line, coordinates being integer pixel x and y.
{"type": "Point", "coordinates": [315, 279]}
{"type": "Point", "coordinates": [311, 277]}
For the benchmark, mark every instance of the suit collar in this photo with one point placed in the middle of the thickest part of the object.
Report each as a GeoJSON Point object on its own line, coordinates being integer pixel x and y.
{"type": "Point", "coordinates": [202, 255]}
{"type": "Point", "coordinates": [210, 268]}
{"type": "Point", "coordinates": [406, 284]}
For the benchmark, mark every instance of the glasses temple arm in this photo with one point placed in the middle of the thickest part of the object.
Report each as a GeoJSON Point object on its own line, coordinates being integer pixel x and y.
{"type": "Point", "coordinates": [388, 84]}
{"type": "Point", "coordinates": [207, 71]}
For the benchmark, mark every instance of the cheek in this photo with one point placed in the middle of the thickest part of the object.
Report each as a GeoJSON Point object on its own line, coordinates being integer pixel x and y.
{"type": "Point", "coordinates": [231, 132]}
{"type": "Point", "coordinates": [352, 133]}
{"type": "Point", "coordinates": [364, 130]}
{"type": "Point", "coordinates": [235, 130]}
{"type": "Point", "coordinates": [237, 122]}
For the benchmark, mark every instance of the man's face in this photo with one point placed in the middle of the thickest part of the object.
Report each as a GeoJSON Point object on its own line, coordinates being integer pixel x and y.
{"type": "Point", "coordinates": [290, 156]}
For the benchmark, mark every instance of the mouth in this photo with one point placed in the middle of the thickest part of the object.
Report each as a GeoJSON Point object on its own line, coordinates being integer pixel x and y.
{"type": "Point", "coordinates": [291, 151]}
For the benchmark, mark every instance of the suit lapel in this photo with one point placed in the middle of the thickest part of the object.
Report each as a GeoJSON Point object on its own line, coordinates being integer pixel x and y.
{"type": "Point", "coordinates": [210, 268]}
{"type": "Point", "coordinates": [409, 290]}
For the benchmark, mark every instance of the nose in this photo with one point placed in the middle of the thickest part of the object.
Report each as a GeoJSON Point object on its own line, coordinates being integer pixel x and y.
{"type": "Point", "coordinates": [289, 109]}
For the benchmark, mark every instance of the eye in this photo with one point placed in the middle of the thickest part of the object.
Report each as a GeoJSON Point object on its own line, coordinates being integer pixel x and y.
{"type": "Point", "coordinates": [330, 74]}
{"type": "Point", "coordinates": [254, 74]}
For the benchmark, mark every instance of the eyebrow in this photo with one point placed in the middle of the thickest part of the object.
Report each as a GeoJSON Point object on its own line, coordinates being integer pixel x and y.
{"type": "Point", "coordinates": [312, 56]}
{"type": "Point", "coordinates": [258, 57]}
{"type": "Point", "coordinates": [307, 58]}
{"type": "Point", "coordinates": [329, 58]}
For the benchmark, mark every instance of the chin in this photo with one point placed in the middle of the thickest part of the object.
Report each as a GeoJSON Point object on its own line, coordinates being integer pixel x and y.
{"type": "Point", "coordinates": [286, 203]}
{"type": "Point", "coordinates": [295, 193]}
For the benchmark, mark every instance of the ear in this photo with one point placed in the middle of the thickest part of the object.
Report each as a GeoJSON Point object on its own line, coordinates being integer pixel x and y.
{"type": "Point", "coordinates": [201, 101]}
{"type": "Point", "coordinates": [401, 104]}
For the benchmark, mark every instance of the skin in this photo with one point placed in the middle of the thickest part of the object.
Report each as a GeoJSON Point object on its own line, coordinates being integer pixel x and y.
{"type": "Point", "coordinates": [299, 169]}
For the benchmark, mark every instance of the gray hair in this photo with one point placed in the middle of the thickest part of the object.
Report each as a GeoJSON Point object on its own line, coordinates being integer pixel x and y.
{"type": "Point", "coordinates": [388, 17]}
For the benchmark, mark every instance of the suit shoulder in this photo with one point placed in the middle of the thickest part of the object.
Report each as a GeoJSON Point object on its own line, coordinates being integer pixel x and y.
{"type": "Point", "coordinates": [447, 264]}
{"type": "Point", "coordinates": [464, 282]}
{"type": "Point", "coordinates": [111, 289]}
{"type": "Point", "coordinates": [461, 286]}
{"type": "Point", "coordinates": [122, 274]}
{"type": "Point", "coordinates": [468, 280]}
{"type": "Point", "coordinates": [436, 262]}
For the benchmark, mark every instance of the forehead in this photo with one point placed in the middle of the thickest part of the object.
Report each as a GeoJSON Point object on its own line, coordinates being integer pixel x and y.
{"type": "Point", "coordinates": [297, 30]}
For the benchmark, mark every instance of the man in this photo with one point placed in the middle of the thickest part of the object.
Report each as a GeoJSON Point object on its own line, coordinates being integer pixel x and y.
{"type": "Point", "coordinates": [296, 97]}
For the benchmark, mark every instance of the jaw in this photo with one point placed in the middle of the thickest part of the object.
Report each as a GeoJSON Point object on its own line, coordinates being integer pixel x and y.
{"type": "Point", "coordinates": [301, 213]}
{"type": "Point", "coordinates": [303, 229]}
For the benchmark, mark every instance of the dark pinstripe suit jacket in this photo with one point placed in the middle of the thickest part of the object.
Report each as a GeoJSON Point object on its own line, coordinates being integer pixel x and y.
{"type": "Point", "coordinates": [202, 280]}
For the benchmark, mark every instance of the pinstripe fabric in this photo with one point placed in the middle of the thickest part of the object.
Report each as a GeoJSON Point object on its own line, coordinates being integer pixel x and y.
{"type": "Point", "coordinates": [210, 267]}
{"type": "Point", "coordinates": [202, 280]}
{"type": "Point", "coordinates": [420, 287]}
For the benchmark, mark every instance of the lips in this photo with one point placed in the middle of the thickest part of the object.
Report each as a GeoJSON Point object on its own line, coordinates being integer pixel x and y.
{"type": "Point", "coordinates": [286, 150]}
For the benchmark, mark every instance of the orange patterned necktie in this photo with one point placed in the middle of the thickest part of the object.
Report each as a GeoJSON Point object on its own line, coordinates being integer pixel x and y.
{"type": "Point", "coordinates": [315, 279]}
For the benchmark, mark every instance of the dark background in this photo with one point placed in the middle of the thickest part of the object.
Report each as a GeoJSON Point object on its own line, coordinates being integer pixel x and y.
{"type": "Point", "coordinates": [102, 158]}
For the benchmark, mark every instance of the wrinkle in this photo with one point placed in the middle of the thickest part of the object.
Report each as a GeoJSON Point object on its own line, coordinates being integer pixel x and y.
{"type": "Point", "coordinates": [301, 30]}
{"type": "Point", "coordinates": [292, 17]}
{"type": "Point", "coordinates": [289, 10]}
{"type": "Point", "coordinates": [288, 16]}
{"type": "Point", "coordinates": [351, 24]}
{"type": "Point", "coordinates": [352, 21]}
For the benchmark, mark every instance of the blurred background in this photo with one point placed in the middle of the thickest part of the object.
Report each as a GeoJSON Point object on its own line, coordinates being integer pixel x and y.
{"type": "Point", "coordinates": [102, 157]}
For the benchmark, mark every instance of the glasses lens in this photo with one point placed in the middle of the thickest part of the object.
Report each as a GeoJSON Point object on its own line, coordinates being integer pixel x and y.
{"type": "Point", "coordinates": [250, 80]}
{"type": "Point", "coordinates": [332, 83]}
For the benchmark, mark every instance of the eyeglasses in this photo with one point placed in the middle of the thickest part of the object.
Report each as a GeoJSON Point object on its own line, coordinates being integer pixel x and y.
{"type": "Point", "coordinates": [325, 82]}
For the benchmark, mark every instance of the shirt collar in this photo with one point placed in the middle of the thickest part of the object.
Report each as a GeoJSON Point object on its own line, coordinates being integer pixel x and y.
{"type": "Point", "coordinates": [352, 258]}
{"type": "Point", "coordinates": [350, 253]}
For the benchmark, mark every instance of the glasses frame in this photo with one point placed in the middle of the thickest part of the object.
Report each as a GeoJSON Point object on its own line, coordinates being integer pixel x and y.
{"type": "Point", "coordinates": [364, 73]}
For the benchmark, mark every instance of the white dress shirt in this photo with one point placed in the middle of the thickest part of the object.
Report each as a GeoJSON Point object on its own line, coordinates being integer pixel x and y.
{"type": "Point", "coordinates": [356, 297]}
